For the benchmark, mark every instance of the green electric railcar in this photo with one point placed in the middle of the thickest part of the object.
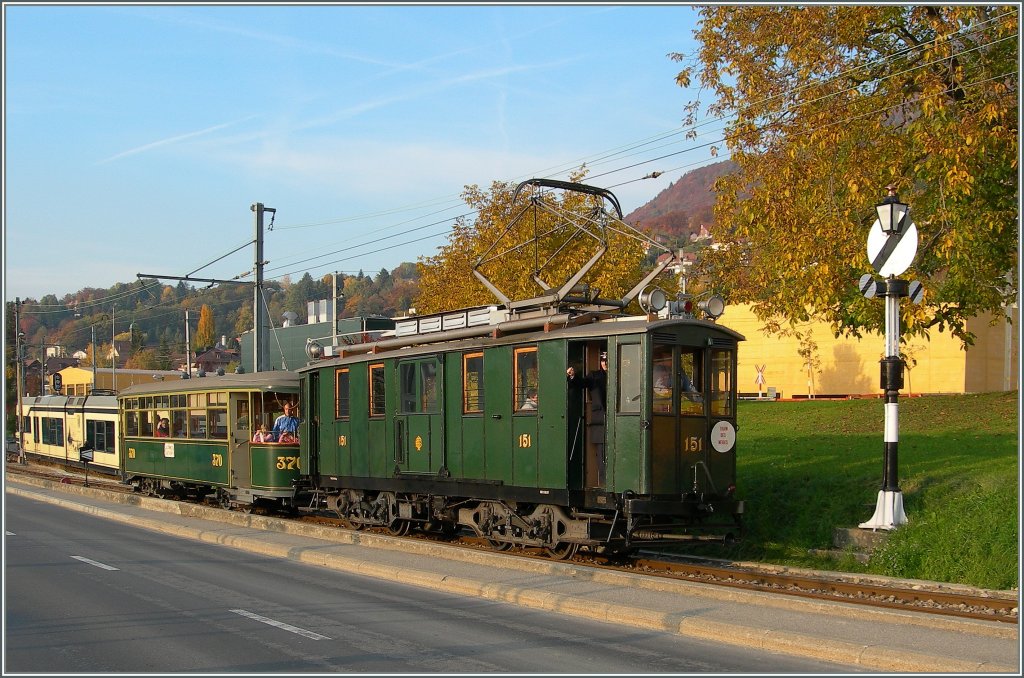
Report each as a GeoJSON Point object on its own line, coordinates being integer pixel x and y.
{"type": "Point", "coordinates": [207, 447]}
{"type": "Point", "coordinates": [438, 430]}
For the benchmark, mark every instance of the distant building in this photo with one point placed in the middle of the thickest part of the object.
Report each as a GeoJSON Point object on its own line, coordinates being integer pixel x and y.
{"type": "Point", "coordinates": [850, 367]}
{"type": "Point", "coordinates": [78, 380]}
{"type": "Point", "coordinates": [217, 358]}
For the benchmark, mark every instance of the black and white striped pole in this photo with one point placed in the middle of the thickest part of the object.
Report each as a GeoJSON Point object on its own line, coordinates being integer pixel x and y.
{"type": "Point", "coordinates": [892, 246]}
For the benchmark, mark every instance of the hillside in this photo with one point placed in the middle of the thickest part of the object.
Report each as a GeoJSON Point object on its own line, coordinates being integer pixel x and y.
{"type": "Point", "coordinates": [687, 203]}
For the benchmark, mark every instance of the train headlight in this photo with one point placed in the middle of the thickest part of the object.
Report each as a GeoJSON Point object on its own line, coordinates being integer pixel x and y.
{"type": "Point", "coordinates": [314, 350]}
{"type": "Point", "coordinates": [653, 299]}
{"type": "Point", "coordinates": [713, 306]}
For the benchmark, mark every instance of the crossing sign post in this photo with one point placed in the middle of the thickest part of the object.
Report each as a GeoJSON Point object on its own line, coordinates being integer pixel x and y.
{"type": "Point", "coordinates": [759, 379]}
{"type": "Point", "coordinates": [892, 246]}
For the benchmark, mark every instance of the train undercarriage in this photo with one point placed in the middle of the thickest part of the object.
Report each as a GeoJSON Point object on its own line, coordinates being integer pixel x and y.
{"type": "Point", "coordinates": [560, 531]}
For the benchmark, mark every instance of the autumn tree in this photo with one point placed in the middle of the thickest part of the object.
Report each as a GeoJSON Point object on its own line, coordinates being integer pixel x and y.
{"type": "Point", "coordinates": [826, 105]}
{"type": "Point", "coordinates": [206, 331]}
{"type": "Point", "coordinates": [494, 237]}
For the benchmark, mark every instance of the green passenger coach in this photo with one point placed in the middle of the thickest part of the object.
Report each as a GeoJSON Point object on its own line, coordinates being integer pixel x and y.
{"type": "Point", "coordinates": [482, 428]}
{"type": "Point", "coordinates": [195, 438]}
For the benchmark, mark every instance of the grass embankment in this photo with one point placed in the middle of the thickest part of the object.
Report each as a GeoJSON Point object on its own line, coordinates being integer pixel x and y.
{"type": "Point", "coordinates": [805, 468]}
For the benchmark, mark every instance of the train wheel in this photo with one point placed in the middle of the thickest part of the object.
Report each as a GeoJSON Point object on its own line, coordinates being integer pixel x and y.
{"type": "Point", "coordinates": [400, 528]}
{"type": "Point", "coordinates": [562, 550]}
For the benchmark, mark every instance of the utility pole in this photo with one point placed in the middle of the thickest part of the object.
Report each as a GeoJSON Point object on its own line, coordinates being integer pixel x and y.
{"type": "Point", "coordinates": [260, 336]}
{"type": "Point", "coordinates": [94, 357]}
{"type": "Point", "coordinates": [188, 348]}
{"type": "Point", "coordinates": [113, 351]}
{"type": "Point", "coordinates": [19, 377]}
{"type": "Point", "coordinates": [260, 315]}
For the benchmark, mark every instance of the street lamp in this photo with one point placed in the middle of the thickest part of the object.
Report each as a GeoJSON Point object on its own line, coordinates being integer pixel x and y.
{"type": "Point", "coordinates": [891, 213]}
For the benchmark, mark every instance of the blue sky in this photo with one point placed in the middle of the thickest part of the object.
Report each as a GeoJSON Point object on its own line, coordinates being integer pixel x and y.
{"type": "Point", "coordinates": [137, 137]}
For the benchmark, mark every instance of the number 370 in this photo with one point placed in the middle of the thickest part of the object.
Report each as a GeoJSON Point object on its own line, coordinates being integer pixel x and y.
{"type": "Point", "coordinates": [287, 463]}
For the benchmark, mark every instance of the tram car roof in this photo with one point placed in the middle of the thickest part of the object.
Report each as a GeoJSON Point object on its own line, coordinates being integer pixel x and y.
{"type": "Point", "coordinates": [515, 332]}
{"type": "Point", "coordinates": [276, 380]}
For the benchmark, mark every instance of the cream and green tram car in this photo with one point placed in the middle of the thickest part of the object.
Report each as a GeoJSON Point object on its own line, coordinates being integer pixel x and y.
{"type": "Point", "coordinates": [194, 438]}
{"type": "Point", "coordinates": [62, 429]}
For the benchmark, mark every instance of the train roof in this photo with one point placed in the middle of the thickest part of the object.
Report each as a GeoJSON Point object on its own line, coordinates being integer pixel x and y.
{"type": "Point", "coordinates": [276, 380]}
{"type": "Point", "coordinates": [517, 332]}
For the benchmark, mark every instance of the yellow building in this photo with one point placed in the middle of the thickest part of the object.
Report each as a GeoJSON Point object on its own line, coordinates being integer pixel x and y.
{"type": "Point", "coordinates": [78, 380]}
{"type": "Point", "coordinates": [850, 366]}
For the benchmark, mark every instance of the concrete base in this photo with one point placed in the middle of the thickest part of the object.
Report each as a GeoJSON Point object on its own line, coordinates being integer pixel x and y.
{"type": "Point", "coordinates": [855, 541]}
{"type": "Point", "coordinates": [888, 512]}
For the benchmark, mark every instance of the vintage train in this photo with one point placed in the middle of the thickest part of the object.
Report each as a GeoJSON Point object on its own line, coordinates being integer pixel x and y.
{"type": "Point", "coordinates": [434, 432]}
{"type": "Point", "coordinates": [556, 423]}
{"type": "Point", "coordinates": [489, 433]}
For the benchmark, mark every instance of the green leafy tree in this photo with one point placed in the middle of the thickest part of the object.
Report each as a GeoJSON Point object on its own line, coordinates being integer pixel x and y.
{"type": "Point", "coordinates": [826, 106]}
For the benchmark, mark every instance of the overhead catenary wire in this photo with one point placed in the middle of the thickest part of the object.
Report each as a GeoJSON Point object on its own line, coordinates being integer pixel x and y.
{"type": "Point", "coordinates": [604, 157]}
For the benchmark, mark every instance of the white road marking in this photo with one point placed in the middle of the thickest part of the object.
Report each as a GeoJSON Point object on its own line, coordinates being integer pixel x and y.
{"type": "Point", "coordinates": [281, 625]}
{"type": "Point", "coordinates": [94, 563]}
{"type": "Point", "coordinates": [9, 534]}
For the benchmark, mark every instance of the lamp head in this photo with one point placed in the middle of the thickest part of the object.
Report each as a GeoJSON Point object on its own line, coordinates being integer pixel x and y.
{"type": "Point", "coordinates": [892, 213]}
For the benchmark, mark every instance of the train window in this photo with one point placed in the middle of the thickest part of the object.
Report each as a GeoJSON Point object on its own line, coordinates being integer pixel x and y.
{"type": "Point", "coordinates": [473, 383]}
{"type": "Point", "coordinates": [428, 372]}
{"type": "Point", "coordinates": [525, 378]}
{"type": "Point", "coordinates": [630, 378]}
{"type": "Point", "coordinates": [197, 424]}
{"type": "Point", "coordinates": [178, 428]}
{"type": "Point", "coordinates": [691, 382]}
{"type": "Point", "coordinates": [131, 423]}
{"type": "Point", "coordinates": [407, 378]}
{"type": "Point", "coordinates": [53, 431]}
{"type": "Point", "coordinates": [662, 380]}
{"type": "Point", "coordinates": [242, 415]}
{"type": "Point", "coordinates": [219, 398]}
{"type": "Point", "coordinates": [721, 383]}
{"type": "Point", "coordinates": [179, 400]}
{"type": "Point", "coordinates": [377, 400]}
{"type": "Point", "coordinates": [341, 394]}
{"type": "Point", "coordinates": [35, 432]}
{"type": "Point", "coordinates": [218, 420]}
{"type": "Point", "coordinates": [99, 435]}
{"type": "Point", "coordinates": [162, 401]}
{"type": "Point", "coordinates": [197, 400]}
{"type": "Point", "coordinates": [147, 422]}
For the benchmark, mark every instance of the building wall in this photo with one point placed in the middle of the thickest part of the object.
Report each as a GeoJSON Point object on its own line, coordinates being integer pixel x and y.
{"type": "Point", "coordinates": [850, 366]}
{"type": "Point", "coordinates": [78, 380]}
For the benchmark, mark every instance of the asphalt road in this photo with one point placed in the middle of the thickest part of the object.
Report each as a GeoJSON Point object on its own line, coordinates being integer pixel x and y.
{"type": "Point", "coordinates": [88, 595]}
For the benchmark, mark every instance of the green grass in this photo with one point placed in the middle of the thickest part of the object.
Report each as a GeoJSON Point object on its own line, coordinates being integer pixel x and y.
{"type": "Point", "coordinates": [805, 468]}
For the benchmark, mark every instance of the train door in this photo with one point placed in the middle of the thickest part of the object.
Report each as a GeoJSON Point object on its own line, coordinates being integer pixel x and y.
{"type": "Point", "coordinates": [679, 424]}
{"type": "Point", "coordinates": [419, 424]}
{"type": "Point", "coordinates": [238, 439]}
{"type": "Point", "coordinates": [587, 407]}
{"type": "Point", "coordinates": [310, 427]}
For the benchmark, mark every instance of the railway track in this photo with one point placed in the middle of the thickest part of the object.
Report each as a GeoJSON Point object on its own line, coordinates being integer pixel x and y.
{"type": "Point", "coordinates": [928, 597]}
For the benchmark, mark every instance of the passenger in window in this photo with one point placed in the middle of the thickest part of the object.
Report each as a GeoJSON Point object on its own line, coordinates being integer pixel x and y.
{"type": "Point", "coordinates": [286, 428]}
{"type": "Point", "coordinates": [263, 435]}
{"type": "Point", "coordinates": [163, 428]}
{"type": "Point", "coordinates": [531, 400]}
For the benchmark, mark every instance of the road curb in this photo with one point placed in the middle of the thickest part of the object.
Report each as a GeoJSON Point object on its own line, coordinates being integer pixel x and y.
{"type": "Point", "coordinates": [784, 642]}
